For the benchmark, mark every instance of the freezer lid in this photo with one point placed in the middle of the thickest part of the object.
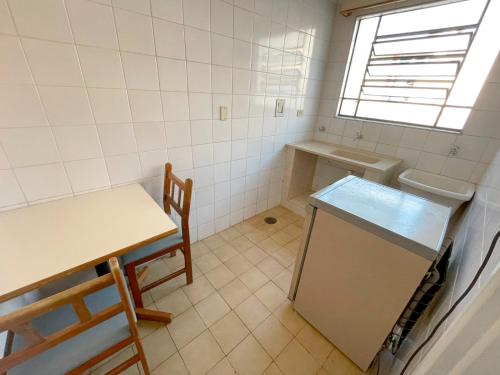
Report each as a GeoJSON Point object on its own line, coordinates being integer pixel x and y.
{"type": "Point", "coordinates": [411, 221]}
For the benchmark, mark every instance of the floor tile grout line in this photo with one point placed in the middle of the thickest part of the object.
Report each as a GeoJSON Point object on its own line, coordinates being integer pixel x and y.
{"type": "Point", "coordinates": [231, 310]}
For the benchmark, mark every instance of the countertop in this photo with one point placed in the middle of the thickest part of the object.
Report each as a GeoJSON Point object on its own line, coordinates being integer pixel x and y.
{"type": "Point", "coordinates": [412, 222]}
{"type": "Point", "coordinates": [325, 150]}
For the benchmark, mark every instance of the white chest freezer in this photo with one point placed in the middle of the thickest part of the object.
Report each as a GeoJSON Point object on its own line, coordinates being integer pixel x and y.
{"type": "Point", "coordinates": [367, 249]}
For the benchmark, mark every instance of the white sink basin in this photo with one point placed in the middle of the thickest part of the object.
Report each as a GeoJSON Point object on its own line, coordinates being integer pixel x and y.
{"type": "Point", "coordinates": [355, 156]}
{"type": "Point", "coordinates": [440, 189]}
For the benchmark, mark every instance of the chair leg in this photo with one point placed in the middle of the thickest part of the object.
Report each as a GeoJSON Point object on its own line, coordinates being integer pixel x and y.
{"type": "Point", "coordinates": [142, 356]}
{"type": "Point", "coordinates": [142, 274]}
{"type": "Point", "coordinates": [134, 285]}
{"type": "Point", "coordinates": [188, 262]}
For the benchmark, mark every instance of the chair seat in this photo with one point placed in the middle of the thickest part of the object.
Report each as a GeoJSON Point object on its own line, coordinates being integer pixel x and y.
{"type": "Point", "coordinates": [46, 290]}
{"type": "Point", "coordinates": [81, 348]}
{"type": "Point", "coordinates": [66, 283]}
{"type": "Point", "coordinates": [142, 252]}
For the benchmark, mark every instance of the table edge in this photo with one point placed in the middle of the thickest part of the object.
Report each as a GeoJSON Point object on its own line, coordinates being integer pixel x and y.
{"type": "Point", "coordinates": [38, 284]}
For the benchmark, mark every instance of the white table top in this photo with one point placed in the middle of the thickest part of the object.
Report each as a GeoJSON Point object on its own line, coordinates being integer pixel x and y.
{"type": "Point", "coordinates": [45, 242]}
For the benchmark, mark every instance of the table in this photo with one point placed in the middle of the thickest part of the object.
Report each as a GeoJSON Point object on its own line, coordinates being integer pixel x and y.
{"type": "Point", "coordinates": [46, 242]}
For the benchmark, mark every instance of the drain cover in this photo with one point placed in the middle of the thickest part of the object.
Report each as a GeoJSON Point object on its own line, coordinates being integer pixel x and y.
{"type": "Point", "coordinates": [270, 220]}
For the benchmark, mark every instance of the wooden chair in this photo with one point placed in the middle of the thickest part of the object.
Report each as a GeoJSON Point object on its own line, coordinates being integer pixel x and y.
{"type": "Point", "coordinates": [72, 331]}
{"type": "Point", "coordinates": [176, 194]}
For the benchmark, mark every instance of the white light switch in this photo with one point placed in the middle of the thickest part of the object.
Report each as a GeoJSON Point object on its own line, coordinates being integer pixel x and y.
{"type": "Point", "coordinates": [280, 108]}
{"type": "Point", "coordinates": [300, 112]}
{"type": "Point", "coordinates": [223, 113]}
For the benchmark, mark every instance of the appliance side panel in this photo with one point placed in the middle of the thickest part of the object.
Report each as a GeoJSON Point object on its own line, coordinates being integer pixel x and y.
{"type": "Point", "coordinates": [304, 241]}
{"type": "Point", "coordinates": [354, 286]}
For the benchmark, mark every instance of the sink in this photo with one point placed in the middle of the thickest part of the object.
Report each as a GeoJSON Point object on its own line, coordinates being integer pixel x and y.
{"type": "Point", "coordinates": [355, 156]}
{"type": "Point", "coordinates": [440, 189]}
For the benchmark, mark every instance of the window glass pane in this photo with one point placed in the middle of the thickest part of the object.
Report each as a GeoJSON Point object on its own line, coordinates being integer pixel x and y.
{"type": "Point", "coordinates": [432, 83]}
{"type": "Point", "coordinates": [480, 59]}
{"type": "Point", "coordinates": [398, 112]}
{"type": "Point", "coordinates": [423, 45]}
{"type": "Point", "coordinates": [414, 70]}
{"type": "Point", "coordinates": [434, 17]}
{"type": "Point", "coordinates": [403, 99]}
{"type": "Point", "coordinates": [348, 107]}
{"type": "Point", "coordinates": [406, 92]}
{"type": "Point", "coordinates": [453, 118]}
{"type": "Point", "coordinates": [410, 95]}
{"type": "Point", "coordinates": [362, 48]}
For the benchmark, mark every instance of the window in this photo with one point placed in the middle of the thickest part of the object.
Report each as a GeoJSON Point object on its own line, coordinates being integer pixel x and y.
{"type": "Point", "coordinates": [421, 66]}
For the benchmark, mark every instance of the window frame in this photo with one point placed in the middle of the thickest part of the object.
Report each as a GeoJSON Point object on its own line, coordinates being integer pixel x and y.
{"type": "Point", "coordinates": [354, 39]}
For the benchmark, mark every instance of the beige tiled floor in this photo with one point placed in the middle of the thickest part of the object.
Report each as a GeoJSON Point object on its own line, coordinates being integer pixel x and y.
{"type": "Point", "coordinates": [235, 318]}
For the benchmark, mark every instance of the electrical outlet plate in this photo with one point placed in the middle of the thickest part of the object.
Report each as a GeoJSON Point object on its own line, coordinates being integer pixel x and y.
{"type": "Point", "coordinates": [280, 108]}
{"type": "Point", "coordinates": [300, 112]}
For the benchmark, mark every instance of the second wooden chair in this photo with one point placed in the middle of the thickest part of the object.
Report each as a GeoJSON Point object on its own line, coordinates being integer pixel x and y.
{"type": "Point", "coordinates": [72, 331]}
{"type": "Point", "coordinates": [176, 195]}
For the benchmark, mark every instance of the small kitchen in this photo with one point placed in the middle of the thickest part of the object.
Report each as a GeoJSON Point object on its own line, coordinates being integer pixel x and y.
{"type": "Point", "coordinates": [253, 187]}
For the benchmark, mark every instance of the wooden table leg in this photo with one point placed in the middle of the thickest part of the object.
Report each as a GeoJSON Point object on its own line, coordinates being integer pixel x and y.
{"type": "Point", "coordinates": [153, 315]}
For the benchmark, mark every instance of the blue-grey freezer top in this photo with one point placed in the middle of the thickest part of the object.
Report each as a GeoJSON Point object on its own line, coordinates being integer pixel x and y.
{"type": "Point", "coordinates": [412, 222]}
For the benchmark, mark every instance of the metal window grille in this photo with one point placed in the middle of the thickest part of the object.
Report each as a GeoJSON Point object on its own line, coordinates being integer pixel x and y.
{"type": "Point", "coordinates": [408, 75]}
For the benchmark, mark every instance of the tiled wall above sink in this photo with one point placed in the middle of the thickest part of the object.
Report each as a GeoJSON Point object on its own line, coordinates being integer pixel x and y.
{"type": "Point", "coordinates": [475, 233]}
{"type": "Point", "coordinates": [418, 148]}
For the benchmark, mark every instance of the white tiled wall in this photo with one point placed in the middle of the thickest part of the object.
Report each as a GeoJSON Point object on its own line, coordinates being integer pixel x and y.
{"type": "Point", "coordinates": [100, 93]}
{"type": "Point", "coordinates": [421, 149]}
{"type": "Point", "coordinates": [474, 235]}
{"type": "Point", "coordinates": [327, 172]}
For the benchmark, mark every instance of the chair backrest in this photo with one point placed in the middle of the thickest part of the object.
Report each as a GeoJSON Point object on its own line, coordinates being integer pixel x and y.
{"type": "Point", "coordinates": [177, 194]}
{"type": "Point", "coordinates": [19, 322]}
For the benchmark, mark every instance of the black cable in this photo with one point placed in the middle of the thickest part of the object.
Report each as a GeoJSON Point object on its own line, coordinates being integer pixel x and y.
{"type": "Point", "coordinates": [458, 301]}
{"type": "Point", "coordinates": [376, 361]}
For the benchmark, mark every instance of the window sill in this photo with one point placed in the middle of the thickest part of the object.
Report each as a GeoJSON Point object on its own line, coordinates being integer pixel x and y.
{"type": "Point", "coordinates": [404, 125]}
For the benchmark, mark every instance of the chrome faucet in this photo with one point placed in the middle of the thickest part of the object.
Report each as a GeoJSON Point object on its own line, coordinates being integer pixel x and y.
{"type": "Point", "coordinates": [358, 135]}
{"type": "Point", "coordinates": [454, 150]}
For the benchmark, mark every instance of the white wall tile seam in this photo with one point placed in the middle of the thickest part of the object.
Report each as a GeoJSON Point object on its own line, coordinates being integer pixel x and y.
{"type": "Point", "coordinates": [293, 129]}
{"type": "Point", "coordinates": [39, 100]}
